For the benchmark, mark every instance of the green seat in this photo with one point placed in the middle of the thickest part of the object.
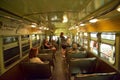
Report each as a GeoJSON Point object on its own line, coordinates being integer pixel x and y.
{"type": "Point", "coordinates": [46, 57]}
{"type": "Point", "coordinates": [36, 71]}
{"type": "Point", "coordinates": [81, 54]}
{"type": "Point", "coordinates": [82, 66]}
{"type": "Point", "coordinates": [96, 76]}
{"type": "Point", "coordinates": [46, 51]}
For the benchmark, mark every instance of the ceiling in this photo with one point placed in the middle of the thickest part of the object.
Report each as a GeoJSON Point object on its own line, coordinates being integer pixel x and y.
{"type": "Point", "coordinates": [45, 11]}
{"type": "Point", "coordinates": [49, 13]}
{"type": "Point", "coordinates": [37, 10]}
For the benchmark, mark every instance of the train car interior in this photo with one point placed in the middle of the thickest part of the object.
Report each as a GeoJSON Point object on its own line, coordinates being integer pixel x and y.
{"type": "Point", "coordinates": [76, 39]}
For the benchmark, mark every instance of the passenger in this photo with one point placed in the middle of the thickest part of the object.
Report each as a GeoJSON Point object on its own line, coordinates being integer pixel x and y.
{"type": "Point", "coordinates": [68, 42]}
{"type": "Point", "coordinates": [62, 37]}
{"type": "Point", "coordinates": [54, 45]}
{"type": "Point", "coordinates": [33, 55]}
{"type": "Point", "coordinates": [46, 44]}
{"type": "Point", "coordinates": [63, 50]}
{"type": "Point", "coordinates": [65, 44]}
{"type": "Point", "coordinates": [74, 48]}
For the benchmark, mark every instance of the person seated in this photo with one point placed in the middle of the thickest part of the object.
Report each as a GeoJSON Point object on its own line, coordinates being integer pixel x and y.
{"type": "Point", "coordinates": [54, 45]}
{"type": "Point", "coordinates": [74, 48]}
{"type": "Point", "coordinates": [68, 42]}
{"type": "Point", "coordinates": [33, 56]}
{"type": "Point", "coordinates": [63, 50]}
{"type": "Point", "coordinates": [47, 45]}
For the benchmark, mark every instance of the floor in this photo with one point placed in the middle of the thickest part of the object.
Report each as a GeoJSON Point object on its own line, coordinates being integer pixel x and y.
{"type": "Point", "coordinates": [60, 71]}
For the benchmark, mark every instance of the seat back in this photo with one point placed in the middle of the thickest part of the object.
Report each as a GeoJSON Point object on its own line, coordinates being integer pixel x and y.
{"type": "Point", "coordinates": [36, 70]}
{"type": "Point", "coordinates": [83, 65]}
{"type": "Point", "coordinates": [46, 57]}
{"type": "Point", "coordinates": [96, 76]}
{"type": "Point", "coordinates": [81, 54]}
{"type": "Point", "coordinates": [46, 51]}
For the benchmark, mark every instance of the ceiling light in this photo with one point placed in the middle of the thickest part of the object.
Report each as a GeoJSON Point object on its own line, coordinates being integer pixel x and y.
{"type": "Point", "coordinates": [65, 19]}
{"type": "Point", "coordinates": [82, 24]}
{"type": "Point", "coordinates": [93, 20]}
{"type": "Point", "coordinates": [33, 25]}
{"type": "Point", "coordinates": [118, 8]}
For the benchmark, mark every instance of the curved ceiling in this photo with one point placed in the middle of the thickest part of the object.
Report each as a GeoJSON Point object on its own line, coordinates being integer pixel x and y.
{"type": "Point", "coordinates": [45, 11]}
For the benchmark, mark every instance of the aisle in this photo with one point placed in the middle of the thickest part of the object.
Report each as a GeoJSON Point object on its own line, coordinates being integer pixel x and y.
{"type": "Point", "coordinates": [60, 71]}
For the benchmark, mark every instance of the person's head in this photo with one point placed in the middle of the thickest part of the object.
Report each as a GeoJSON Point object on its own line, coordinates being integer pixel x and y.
{"type": "Point", "coordinates": [46, 40]}
{"type": "Point", "coordinates": [33, 52]}
{"type": "Point", "coordinates": [61, 34]}
{"type": "Point", "coordinates": [74, 46]}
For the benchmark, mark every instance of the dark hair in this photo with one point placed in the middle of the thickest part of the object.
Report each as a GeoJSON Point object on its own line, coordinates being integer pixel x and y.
{"type": "Point", "coordinates": [64, 46]}
{"type": "Point", "coordinates": [61, 34]}
{"type": "Point", "coordinates": [33, 52]}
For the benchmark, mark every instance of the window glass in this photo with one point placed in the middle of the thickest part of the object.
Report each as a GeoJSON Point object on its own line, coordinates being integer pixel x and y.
{"type": "Point", "coordinates": [25, 44]}
{"type": "Point", "coordinates": [109, 36]}
{"type": "Point", "coordinates": [85, 34]}
{"type": "Point", "coordinates": [93, 35]}
{"type": "Point", "coordinates": [94, 47]}
{"type": "Point", "coordinates": [11, 50]}
{"type": "Point", "coordinates": [81, 39]}
{"type": "Point", "coordinates": [94, 43]}
{"type": "Point", "coordinates": [85, 40]}
{"type": "Point", "coordinates": [107, 52]}
{"type": "Point", "coordinates": [9, 39]}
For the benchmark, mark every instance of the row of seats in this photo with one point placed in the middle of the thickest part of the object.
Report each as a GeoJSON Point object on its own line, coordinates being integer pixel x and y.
{"type": "Point", "coordinates": [39, 71]}
{"type": "Point", "coordinates": [82, 67]}
{"type": "Point", "coordinates": [36, 71]}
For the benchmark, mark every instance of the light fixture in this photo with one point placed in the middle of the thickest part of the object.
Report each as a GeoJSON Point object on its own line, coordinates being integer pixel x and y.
{"type": "Point", "coordinates": [82, 24]}
{"type": "Point", "coordinates": [118, 8]}
{"type": "Point", "coordinates": [33, 25]}
{"type": "Point", "coordinates": [65, 19]}
{"type": "Point", "coordinates": [93, 20]}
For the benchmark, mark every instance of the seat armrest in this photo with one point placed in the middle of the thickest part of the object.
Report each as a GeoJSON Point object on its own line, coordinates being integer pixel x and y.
{"type": "Point", "coordinates": [96, 76]}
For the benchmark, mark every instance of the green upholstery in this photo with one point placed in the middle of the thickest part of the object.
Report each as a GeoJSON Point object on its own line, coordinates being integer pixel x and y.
{"type": "Point", "coordinates": [46, 51]}
{"type": "Point", "coordinates": [96, 76]}
{"type": "Point", "coordinates": [36, 71]}
{"type": "Point", "coordinates": [81, 54]}
{"type": "Point", "coordinates": [82, 66]}
{"type": "Point", "coordinates": [46, 57]}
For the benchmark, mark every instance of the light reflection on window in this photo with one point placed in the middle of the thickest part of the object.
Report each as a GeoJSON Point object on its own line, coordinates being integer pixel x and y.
{"type": "Point", "coordinates": [107, 52]}
{"type": "Point", "coordinates": [94, 47]}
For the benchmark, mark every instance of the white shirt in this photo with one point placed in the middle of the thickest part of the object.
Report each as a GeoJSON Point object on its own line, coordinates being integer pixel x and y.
{"type": "Point", "coordinates": [36, 59]}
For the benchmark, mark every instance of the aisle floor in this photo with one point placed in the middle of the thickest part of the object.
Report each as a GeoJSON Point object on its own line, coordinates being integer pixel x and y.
{"type": "Point", "coordinates": [60, 71]}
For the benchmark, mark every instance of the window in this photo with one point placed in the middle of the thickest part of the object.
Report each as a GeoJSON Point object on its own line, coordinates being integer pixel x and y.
{"type": "Point", "coordinates": [86, 40]}
{"type": "Point", "coordinates": [9, 39]}
{"type": "Point", "coordinates": [11, 50]}
{"type": "Point", "coordinates": [94, 47]}
{"type": "Point", "coordinates": [107, 47]}
{"type": "Point", "coordinates": [81, 38]}
{"type": "Point", "coordinates": [25, 44]}
{"type": "Point", "coordinates": [94, 43]}
{"type": "Point", "coordinates": [34, 40]}
{"type": "Point", "coordinates": [107, 52]}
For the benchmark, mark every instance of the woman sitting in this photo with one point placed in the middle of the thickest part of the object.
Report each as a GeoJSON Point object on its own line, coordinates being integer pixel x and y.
{"type": "Point", "coordinates": [74, 48]}
{"type": "Point", "coordinates": [33, 55]}
{"type": "Point", "coordinates": [47, 45]}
